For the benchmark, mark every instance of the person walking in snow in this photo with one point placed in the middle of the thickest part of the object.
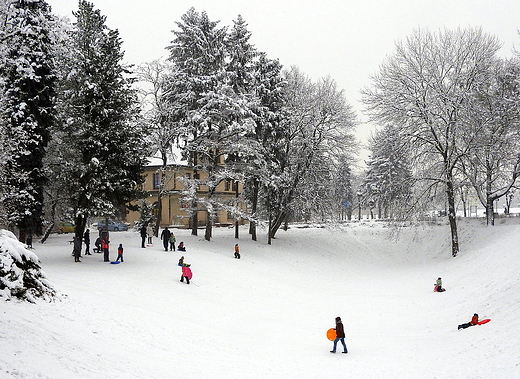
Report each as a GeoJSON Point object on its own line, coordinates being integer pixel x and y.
{"type": "Point", "coordinates": [438, 286]}
{"type": "Point", "coordinates": [340, 336]}
{"type": "Point", "coordinates": [473, 322]}
{"type": "Point", "coordinates": [149, 232]}
{"type": "Point", "coordinates": [120, 253]}
{"type": "Point", "coordinates": [237, 251]}
{"type": "Point", "coordinates": [172, 242]}
{"type": "Point", "coordinates": [86, 238]}
{"type": "Point", "coordinates": [142, 232]}
{"type": "Point", "coordinates": [165, 236]}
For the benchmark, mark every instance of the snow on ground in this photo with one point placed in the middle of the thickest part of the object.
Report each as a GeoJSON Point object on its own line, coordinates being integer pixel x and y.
{"type": "Point", "coordinates": [266, 315]}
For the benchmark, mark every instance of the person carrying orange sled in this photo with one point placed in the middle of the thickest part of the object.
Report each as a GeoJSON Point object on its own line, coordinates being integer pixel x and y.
{"type": "Point", "coordinates": [340, 336]}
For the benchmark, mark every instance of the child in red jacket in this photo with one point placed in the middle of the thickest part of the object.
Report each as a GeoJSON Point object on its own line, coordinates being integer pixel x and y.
{"type": "Point", "coordinates": [120, 253]}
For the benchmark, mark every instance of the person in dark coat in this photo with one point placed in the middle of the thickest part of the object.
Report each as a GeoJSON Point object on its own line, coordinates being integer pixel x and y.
{"type": "Point", "coordinates": [143, 235]}
{"type": "Point", "coordinates": [98, 245]}
{"type": "Point", "coordinates": [86, 238]}
{"type": "Point", "coordinates": [340, 336]}
{"type": "Point", "coordinates": [105, 245]}
{"type": "Point", "coordinates": [165, 236]}
{"type": "Point", "coordinates": [76, 250]}
{"type": "Point", "coordinates": [473, 322]}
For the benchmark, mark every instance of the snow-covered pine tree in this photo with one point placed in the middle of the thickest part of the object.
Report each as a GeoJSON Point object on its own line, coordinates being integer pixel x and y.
{"type": "Point", "coordinates": [388, 178]}
{"type": "Point", "coordinates": [105, 147]}
{"type": "Point", "coordinates": [210, 115]}
{"type": "Point", "coordinates": [21, 275]}
{"type": "Point", "coordinates": [27, 111]}
{"type": "Point", "coordinates": [241, 67]}
{"type": "Point", "coordinates": [197, 54]}
{"type": "Point", "coordinates": [267, 138]}
{"type": "Point", "coordinates": [342, 185]}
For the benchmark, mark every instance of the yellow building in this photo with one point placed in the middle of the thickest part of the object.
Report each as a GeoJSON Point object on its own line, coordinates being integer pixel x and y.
{"type": "Point", "coordinates": [174, 211]}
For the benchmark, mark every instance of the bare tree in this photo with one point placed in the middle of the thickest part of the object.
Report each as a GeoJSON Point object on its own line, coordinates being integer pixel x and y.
{"type": "Point", "coordinates": [157, 117]}
{"type": "Point", "coordinates": [424, 89]}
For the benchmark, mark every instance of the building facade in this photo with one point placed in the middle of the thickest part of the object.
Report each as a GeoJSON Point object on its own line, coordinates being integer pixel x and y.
{"type": "Point", "coordinates": [175, 212]}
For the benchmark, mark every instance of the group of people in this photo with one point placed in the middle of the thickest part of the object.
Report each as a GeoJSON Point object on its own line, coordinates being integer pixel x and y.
{"type": "Point", "coordinates": [102, 245]}
{"type": "Point", "coordinates": [167, 237]}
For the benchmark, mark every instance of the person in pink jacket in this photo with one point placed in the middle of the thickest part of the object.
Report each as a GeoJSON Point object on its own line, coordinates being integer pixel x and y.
{"type": "Point", "coordinates": [186, 274]}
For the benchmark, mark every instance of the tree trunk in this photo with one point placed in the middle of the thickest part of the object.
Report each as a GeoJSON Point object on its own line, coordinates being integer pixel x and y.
{"type": "Point", "coordinates": [452, 216]}
{"type": "Point", "coordinates": [209, 221]}
{"type": "Point", "coordinates": [194, 219]}
{"type": "Point", "coordinates": [237, 220]}
{"type": "Point", "coordinates": [490, 211]}
{"type": "Point", "coordinates": [254, 204]}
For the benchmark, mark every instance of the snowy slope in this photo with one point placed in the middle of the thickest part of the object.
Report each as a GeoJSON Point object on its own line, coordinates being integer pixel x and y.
{"type": "Point", "coordinates": [265, 315]}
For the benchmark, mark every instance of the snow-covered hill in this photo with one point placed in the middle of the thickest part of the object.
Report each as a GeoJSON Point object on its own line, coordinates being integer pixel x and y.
{"type": "Point", "coordinates": [266, 315]}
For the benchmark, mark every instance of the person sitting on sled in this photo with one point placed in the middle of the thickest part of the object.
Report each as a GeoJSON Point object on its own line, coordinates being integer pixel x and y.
{"type": "Point", "coordinates": [474, 321]}
{"type": "Point", "coordinates": [438, 286]}
{"type": "Point", "coordinates": [181, 247]}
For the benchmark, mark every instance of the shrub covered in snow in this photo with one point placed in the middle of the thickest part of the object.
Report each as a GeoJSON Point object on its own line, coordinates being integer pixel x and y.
{"type": "Point", "coordinates": [20, 272]}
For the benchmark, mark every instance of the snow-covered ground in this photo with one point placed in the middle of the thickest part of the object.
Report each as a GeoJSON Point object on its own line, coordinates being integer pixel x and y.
{"type": "Point", "coordinates": [266, 315]}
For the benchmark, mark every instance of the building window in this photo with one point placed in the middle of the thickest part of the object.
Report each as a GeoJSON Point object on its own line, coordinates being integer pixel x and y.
{"type": "Point", "coordinates": [235, 185]}
{"type": "Point", "coordinates": [227, 185]}
{"type": "Point", "coordinates": [156, 181]}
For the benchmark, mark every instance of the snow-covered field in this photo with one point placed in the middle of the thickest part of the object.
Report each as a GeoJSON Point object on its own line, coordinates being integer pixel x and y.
{"type": "Point", "coordinates": [266, 315]}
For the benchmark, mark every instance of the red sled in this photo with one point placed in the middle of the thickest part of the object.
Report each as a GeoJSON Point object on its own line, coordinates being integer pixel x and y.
{"type": "Point", "coordinates": [484, 321]}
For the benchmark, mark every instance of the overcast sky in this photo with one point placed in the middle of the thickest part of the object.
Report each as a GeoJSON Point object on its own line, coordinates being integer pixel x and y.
{"type": "Point", "coordinates": [346, 39]}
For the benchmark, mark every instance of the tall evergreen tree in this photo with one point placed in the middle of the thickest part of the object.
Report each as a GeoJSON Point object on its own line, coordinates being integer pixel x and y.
{"type": "Point", "coordinates": [208, 112]}
{"type": "Point", "coordinates": [27, 111]}
{"type": "Point", "coordinates": [268, 136]}
{"type": "Point", "coordinates": [98, 126]}
{"type": "Point", "coordinates": [388, 179]}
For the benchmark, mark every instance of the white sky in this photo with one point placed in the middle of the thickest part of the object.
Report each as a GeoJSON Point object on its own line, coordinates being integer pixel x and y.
{"type": "Point", "coordinates": [346, 39]}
